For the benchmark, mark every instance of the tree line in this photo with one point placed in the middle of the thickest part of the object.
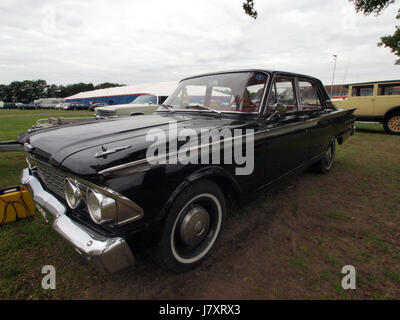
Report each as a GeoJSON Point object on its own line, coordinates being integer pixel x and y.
{"type": "Point", "coordinates": [29, 90]}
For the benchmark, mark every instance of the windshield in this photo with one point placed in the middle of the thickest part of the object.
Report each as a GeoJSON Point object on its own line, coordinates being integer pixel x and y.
{"type": "Point", "coordinates": [145, 98]}
{"type": "Point", "coordinates": [228, 92]}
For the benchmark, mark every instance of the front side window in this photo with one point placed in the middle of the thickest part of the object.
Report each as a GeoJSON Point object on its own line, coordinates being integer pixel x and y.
{"type": "Point", "coordinates": [389, 89]}
{"type": "Point", "coordinates": [283, 92]}
{"type": "Point", "coordinates": [229, 92]}
{"type": "Point", "coordinates": [362, 91]}
{"type": "Point", "coordinates": [308, 96]}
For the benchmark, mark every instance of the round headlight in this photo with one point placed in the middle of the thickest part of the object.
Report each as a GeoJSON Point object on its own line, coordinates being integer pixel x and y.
{"type": "Point", "coordinates": [101, 208]}
{"type": "Point", "coordinates": [72, 193]}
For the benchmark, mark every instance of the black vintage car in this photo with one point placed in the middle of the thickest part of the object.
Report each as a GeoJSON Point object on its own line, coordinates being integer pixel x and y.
{"type": "Point", "coordinates": [163, 181]}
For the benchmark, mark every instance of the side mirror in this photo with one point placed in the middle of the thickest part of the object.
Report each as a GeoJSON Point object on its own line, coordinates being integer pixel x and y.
{"type": "Point", "coordinates": [280, 108]}
{"type": "Point", "coordinates": [329, 104]}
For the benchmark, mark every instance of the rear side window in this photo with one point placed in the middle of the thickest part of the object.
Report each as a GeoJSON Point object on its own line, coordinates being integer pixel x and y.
{"type": "Point", "coordinates": [362, 91]}
{"type": "Point", "coordinates": [389, 89]}
{"type": "Point", "coordinates": [308, 96]}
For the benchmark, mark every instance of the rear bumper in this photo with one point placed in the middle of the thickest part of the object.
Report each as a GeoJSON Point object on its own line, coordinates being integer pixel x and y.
{"type": "Point", "coordinates": [107, 254]}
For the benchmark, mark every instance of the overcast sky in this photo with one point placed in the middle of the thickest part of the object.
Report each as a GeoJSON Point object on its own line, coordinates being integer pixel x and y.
{"type": "Point", "coordinates": [136, 41]}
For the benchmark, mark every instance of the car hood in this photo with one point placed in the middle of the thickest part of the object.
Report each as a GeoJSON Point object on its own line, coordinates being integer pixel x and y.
{"type": "Point", "coordinates": [73, 147]}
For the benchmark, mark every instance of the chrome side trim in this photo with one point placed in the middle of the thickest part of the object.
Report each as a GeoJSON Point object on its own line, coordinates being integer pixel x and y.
{"type": "Point", "coordinates": [145, 164]}
{"type": "Point", "coordinates": [106, 253]}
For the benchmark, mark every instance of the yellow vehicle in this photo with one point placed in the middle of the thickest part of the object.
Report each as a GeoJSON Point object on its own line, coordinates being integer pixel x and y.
{"type": "Point", "coordinates": [375, 102]}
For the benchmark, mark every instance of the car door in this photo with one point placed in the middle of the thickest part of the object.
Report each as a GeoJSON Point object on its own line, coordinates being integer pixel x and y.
{"type": "Point", "coordinates": [285, 136]}
{"type": "Point", "coordinates": [363, 98]}
{"type": "Point", "coordinates": [312, 110]}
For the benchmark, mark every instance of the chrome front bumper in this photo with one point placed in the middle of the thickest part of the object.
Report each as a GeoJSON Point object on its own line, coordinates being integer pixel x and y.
{"type": "Point", "coordinates": [107, 254]}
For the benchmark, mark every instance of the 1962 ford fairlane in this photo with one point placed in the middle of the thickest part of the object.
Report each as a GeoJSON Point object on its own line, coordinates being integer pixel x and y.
{"type": "Point", "coordinates": [113, 186]}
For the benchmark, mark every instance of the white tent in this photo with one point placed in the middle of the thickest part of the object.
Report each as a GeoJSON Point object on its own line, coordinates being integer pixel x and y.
{"type": "Point", "coordinates": [156, 88]}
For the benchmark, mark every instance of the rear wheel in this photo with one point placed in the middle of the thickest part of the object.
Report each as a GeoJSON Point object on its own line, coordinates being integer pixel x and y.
{"type": "Point", "coordinates": [324, 165]}
{"type": "Point", "coordinates": [192, 227]}
{"type": "Point", "coordinates": [392, 123]}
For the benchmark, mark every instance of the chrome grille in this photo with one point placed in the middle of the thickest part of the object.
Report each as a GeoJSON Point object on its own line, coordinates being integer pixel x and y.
{"type": "Point", "coordinates": [52, 179]}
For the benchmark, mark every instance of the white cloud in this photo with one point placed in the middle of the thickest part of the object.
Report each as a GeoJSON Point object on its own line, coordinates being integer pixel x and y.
{"type": "Point", "coordinates": [140, 41]}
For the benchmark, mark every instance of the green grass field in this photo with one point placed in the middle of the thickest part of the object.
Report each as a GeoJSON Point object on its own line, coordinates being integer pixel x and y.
{"type": "Point", "coordinates": [290, 243]}
{"type": "Point", "coordinates": [14, 122]}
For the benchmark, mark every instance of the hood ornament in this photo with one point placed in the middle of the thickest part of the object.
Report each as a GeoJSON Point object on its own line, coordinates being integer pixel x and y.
{"type": "Point", "coordinates": [105, 152]}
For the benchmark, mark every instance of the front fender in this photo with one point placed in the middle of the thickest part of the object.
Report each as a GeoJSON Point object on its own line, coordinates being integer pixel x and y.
{"type": "Point", "coordinates": [228, 184]}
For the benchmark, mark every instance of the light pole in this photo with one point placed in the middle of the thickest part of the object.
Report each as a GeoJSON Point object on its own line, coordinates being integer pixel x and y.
{"type": "Point", "coordinates": [334, 70]}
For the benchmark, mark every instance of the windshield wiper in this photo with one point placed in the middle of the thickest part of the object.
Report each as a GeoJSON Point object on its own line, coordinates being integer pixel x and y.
{"type": "Point", "coordinates": [167, 107]}
{"type": "Point", "coordinates": [204, 107]}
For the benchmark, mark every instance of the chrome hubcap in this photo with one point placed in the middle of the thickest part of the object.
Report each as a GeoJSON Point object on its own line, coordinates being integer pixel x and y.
{"type": "Point", "coordinates": [194, 226]}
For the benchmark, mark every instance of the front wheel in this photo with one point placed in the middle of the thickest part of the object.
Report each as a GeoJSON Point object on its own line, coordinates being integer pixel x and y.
{"type": "Point", "coordinates": [192, 227]}
{"type": "Point", "coordinates": [324, 165]}
{"type": "Point", "coordinates": [392, 123]}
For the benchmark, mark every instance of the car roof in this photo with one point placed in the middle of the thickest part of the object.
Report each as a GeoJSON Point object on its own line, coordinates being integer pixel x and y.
{"type": "Point", "coordinates": [252, 70]}
{"type": "Point", "coordinates": [372, 82]}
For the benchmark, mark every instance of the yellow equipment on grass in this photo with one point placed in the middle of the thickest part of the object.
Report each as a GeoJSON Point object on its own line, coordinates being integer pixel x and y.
{"type": "Point", "coordinates": [15, 203]}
